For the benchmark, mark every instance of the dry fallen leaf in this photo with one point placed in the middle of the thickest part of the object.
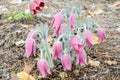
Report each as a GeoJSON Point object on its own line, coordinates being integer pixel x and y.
{"type": "Point", "coordinates": [25, 76]}
{"type": "Point", "coordinates": [98, 11]}
{"type": "Point", "coordinates": [15, 78]}
{"type": "Point", "coordinates": [110, 62]}
{"type": "Point", "coordinates": [116, 4]}
{"type": "Point", "coordinates": [50, 39]}
{"type": "Point", "coordinates": [94, 63]}
{"type": "Point", "coordinates": [63, 75]}
{"type": "Point", "coordinates": [95, 39]}
{"type": "Point", "coordinates": [28, 68]}
{"type": "Point", "coordinates": [39, 77]}
{"type": "Point", "coordinates": [13, 1]}
{"type": "Point", "coordinates": [20, 43]}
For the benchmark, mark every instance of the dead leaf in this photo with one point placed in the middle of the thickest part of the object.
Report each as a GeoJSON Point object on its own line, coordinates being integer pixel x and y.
{"type": "Point", "coordinates": [39, 77]}
{"type": "Point", "coordinates": [110, 62]}
{"type": "Point", "coordinates": [50, 39]}
{"type": "Point", "coordinates": [28, 68]}
{"type": "Point", "coordinates": [15, 78]}
{"type": "Point", "coordinates": [87, 13]}
{"type": "Point", "coordinates": [13, 1]}
{"type": "Point", "coordinates": [94, 63]}
{"type": "Point", "coordinates": [63, 75]}
{"type": "Point", "coordinates": [20, 43]}
{"type": "Point", "coordinates": [25, 76]}
{"type": "Point", "coordinates": [95, 39]}
{"type": "Point", "coordinates": [98, 11]}
{"type": "Point", "coordinates": [116, 4]}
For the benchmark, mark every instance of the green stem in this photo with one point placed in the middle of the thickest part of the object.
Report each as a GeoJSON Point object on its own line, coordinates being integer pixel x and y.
{"type": "Point", "coordinates": [73, 56]}
{"type": "Point", "coordinates": [48, 57]}
{"type": "Point", "coordinates": [78, 26]}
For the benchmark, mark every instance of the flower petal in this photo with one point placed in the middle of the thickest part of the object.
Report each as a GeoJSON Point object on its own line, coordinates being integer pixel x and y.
{"type": "Point", "coordinates": [66, 62]}
{"type": "Point", "coordinates": [101, 34]}
{"type": "Point", "coordinates": [30, 47]}
{"type": "Point", "coordinates": [81, 57]}
{"type": "Point", "coordinates": [57, 50]}
{"type": "Point", "coordinates": [32, 34]}
{"type": "Point", "coordinates": [88, 37]}
{"type": "Point", "coordinates": [72, 20]}
{"type": "Point", "coordinates": [43, 67]}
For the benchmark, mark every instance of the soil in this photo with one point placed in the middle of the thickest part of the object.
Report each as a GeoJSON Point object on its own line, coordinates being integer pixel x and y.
{"type": "Point", "coordinates": [12, 56]}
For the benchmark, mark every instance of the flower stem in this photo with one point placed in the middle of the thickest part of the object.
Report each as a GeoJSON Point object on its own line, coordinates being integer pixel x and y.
{"type": "Point", "coordinates": [48, 57]}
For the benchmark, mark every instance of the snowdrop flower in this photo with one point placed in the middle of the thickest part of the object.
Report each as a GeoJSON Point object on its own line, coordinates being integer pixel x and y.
{"type": "Point", "coordinates": [66, 62]}
{"type": "Point", "coordinates": [88, 37]}
{"type": "Point", "coordinates": [30, 47]}
{"type": "Point", "coordinates": [43, 67]}
{"type": "Point", "coordinates": [101, 34]}
{"type": "Point", "coordinates": [57, 50]}
{"type": "Point", "coordinates": [72, 20]}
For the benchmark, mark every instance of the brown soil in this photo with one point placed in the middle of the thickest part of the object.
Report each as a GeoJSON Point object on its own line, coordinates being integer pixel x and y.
{"type": "Point", "coordinates": [12, 59]}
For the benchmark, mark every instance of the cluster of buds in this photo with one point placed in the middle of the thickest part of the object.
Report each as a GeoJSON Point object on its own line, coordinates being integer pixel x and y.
{"type": "Point", "coordinates": [74, 42]}
{"type": "Point", "coordinates": [37, 5]}
{"type": "Point", "coordinates": [68, 47]}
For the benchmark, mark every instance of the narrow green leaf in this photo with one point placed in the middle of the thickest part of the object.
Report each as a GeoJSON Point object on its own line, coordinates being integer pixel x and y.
{"type": "Point", "coordinates": [19, 16]}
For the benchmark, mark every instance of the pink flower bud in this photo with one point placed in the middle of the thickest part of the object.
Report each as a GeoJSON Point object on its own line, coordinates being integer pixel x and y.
{"type": "Point", "coordinates": [33, 7]}
{"type": "Point", "coordinates": [43, 67]}
{"type": "Point", "coordinates": [66, 62]}
{"type": "Point", "coordinates": [72, 20]}
{"type": "Point", "coordinates": [88, 37]}
{"type": "Point", "coordinates": [57, 50]}
{"type": "Point", "coordinates": [101, 34]}
{"type": "Point", "coordinates": [32, 34]}
{"type": "Point", "coordinates": [79, 50]}
{"type": "Point", "coordinates": [30, 47]}
{"type": "Point", "coordinates": [59, 30]}
{"type": "Point", "coordinates": [41, 3]}
{"type": "Point", "coordinates": [75, 43]}
{"type": "Point", "coordinates": [57, 23]}
{"type": "Point", "coordinates": [81, 57]}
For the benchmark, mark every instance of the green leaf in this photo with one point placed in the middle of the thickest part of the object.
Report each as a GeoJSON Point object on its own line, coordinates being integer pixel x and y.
{"type": "Point", "coordinates": [19, 16]}
{"type": "Point", "coordinates": [6, 16]}
{"type": "Point", "coordinates": [79, 18]}
{"type": "Point", "coordinates": [73, 56]}
{"type": "Point", "coordinates": [28, 16]}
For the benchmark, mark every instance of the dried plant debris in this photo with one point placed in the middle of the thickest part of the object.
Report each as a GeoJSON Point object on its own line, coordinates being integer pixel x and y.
{"type": "Point", "coordinates": [103, 58]}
